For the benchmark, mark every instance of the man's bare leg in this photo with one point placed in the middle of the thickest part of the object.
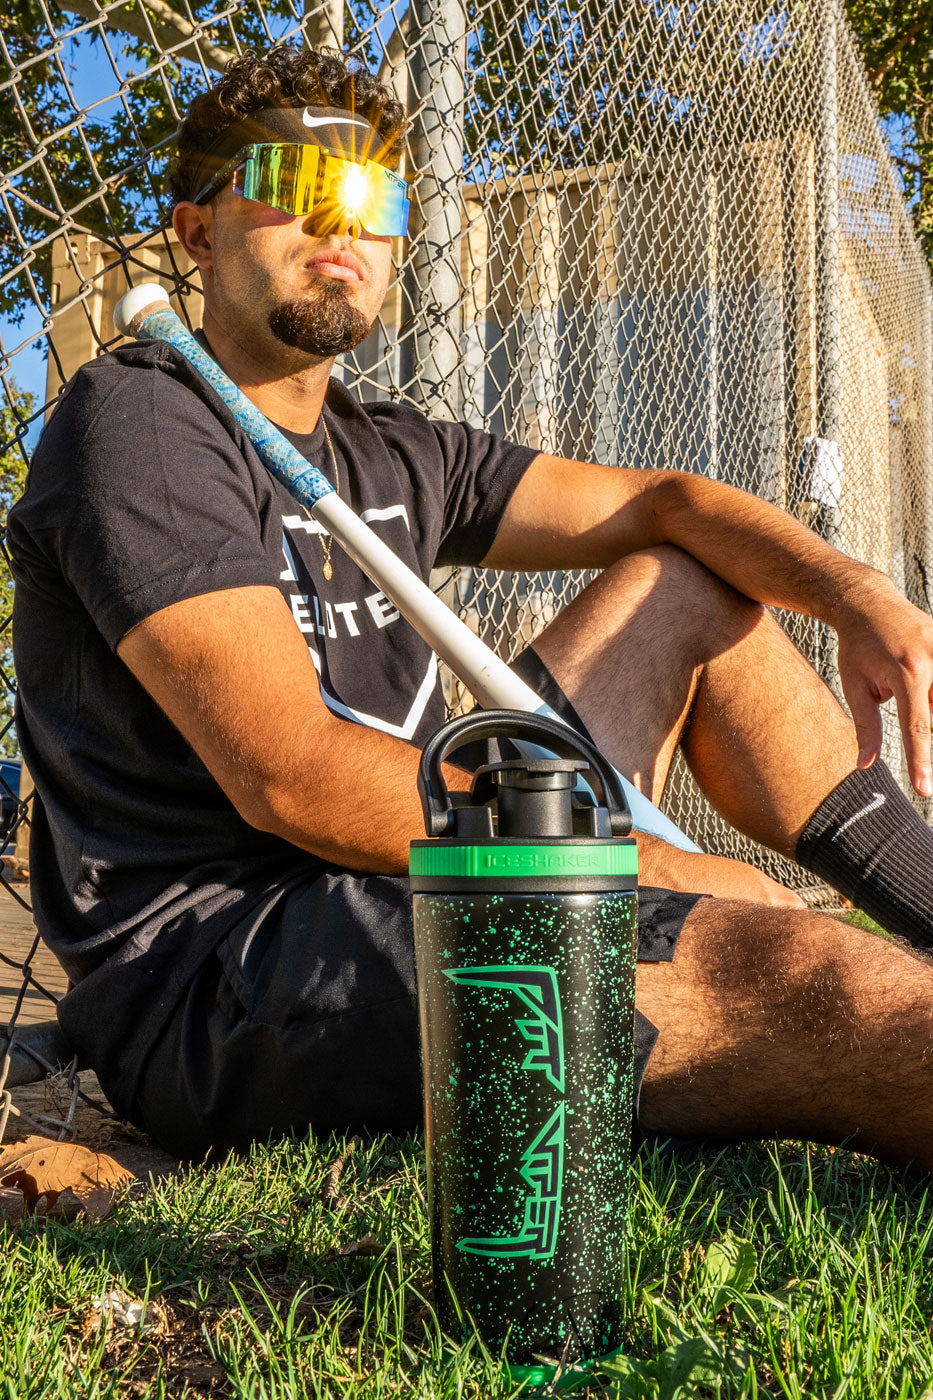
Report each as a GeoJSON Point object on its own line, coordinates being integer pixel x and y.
{"type": "Point", "coordinates": [772, 1022]}
{"type": "Point", "coordinates": [784, 1023]}
{"type": "Point", "coordinates": [658, 651]}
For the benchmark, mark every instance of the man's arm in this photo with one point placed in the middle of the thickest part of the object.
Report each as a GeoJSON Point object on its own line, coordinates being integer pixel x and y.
{"type": "Point", "coordinates": [567, 514]}
{"type": "Point", "coordinates": [233, 673]}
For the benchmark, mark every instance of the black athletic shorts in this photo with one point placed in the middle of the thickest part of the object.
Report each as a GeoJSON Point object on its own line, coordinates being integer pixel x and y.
{"type": "Point", "coordinates": [310, 1019]}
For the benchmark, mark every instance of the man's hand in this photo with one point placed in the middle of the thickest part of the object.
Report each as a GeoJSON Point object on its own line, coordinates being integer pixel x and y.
{"type": "Point", "coordinates": [885, 652]}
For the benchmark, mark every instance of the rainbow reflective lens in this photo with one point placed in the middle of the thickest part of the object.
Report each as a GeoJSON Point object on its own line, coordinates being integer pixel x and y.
{"type": "Point", "coordinates": [299, 178]}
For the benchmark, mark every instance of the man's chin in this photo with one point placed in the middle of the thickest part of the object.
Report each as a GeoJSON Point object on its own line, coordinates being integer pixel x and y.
{"type": "Point", "coordinates": [324, 324]}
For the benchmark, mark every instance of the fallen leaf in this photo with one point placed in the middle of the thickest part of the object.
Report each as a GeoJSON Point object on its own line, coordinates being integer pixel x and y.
{"type": "Point", "coordinates": [120, 1310]}
{"type": "Point", "coordinates": [332, 1196]}
{"type": "Point", "coordinates": [41, 1168]}
{"type": "Point", "coordinates": [87, 1323]}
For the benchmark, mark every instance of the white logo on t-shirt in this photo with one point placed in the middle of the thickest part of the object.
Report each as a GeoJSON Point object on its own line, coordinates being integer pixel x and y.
{"type": "Point", "coordinates": [341, 622]}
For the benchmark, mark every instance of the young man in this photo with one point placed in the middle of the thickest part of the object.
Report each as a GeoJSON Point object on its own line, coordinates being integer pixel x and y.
{"type": "Point", "coordinates": [223, 716]}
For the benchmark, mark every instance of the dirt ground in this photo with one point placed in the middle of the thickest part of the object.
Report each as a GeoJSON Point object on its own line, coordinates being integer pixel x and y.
{"type": "Point", "coordinates": [94, 1124]}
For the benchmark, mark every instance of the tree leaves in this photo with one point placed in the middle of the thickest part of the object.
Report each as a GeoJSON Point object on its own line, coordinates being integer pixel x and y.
{"type": "Point", "coordinates": [98, 170]}
{"type": "Point", "coordinates": [41, 1168]}
{"type": "Point", "coordinates": [896, 37]}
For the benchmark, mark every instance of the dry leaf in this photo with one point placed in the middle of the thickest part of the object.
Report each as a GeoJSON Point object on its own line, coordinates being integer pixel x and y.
{"type": "Point", "coordinates": [41, 1167]}
{"type": "Point", "coordinates": [332, 1196]}
{"type": "Point", "coordinates": [120, 1310]}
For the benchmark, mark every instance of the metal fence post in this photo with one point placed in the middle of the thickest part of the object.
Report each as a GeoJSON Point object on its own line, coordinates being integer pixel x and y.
{"type": "Point", "coordinates": [824, 466]}
{"type": "Point", "coordinates": [430, 358]}
{"type": "Point", "coordinates": [828, 312]}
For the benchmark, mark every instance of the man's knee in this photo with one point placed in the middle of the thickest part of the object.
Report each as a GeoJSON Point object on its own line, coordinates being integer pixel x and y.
{"type": "Point", "coordinates": [746, 970]}
{"type": "Point", "coordinates": [676, 584]}
{"type": "Point", "coordinates": [774, 1021]}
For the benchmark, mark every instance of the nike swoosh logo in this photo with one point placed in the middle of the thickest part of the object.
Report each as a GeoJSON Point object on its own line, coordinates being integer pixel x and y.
{"type": "Point", "coordinates": [872, 806]}
{"type": "Point", "coordinates": [329, 121]}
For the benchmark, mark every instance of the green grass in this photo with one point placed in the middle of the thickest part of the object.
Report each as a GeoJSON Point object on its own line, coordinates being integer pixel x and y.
{"type": "Point", "coordinates": [251, 1295]}
{"type": "Point", "coordinates": [860, 920]}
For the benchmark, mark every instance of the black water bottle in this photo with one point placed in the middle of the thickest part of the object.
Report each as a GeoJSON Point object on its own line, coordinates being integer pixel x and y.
{"type": "Point", "coordinates": [524, 903]}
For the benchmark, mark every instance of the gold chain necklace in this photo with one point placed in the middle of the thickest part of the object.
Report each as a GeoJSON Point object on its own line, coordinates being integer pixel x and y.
{"type": "Point", "coordinates": [327, 540]}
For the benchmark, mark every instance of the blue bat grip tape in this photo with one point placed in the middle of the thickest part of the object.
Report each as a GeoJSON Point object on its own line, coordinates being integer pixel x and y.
{"type": "Point", "coordinates": [304, 482]}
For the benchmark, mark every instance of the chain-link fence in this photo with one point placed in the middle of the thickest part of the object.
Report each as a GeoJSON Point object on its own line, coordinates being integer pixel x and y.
{"type": "Point", "coordinates": [641, 234]}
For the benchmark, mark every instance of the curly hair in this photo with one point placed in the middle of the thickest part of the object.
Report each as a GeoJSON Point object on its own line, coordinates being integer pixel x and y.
{"type": "Point", "coordinates": [284, 76]}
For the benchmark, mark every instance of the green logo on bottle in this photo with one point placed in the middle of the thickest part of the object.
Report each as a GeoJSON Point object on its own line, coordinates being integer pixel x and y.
{"type": "Point", "coordinates": [543, 1160]}
{"type": "Point", "coordinates": [537, 988]}
{"type": "Point", "coordinates": [543, 1169]}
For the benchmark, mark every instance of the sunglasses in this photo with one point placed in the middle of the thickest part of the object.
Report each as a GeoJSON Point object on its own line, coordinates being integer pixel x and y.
{"type": "Point", "coordinates": [297, 178]}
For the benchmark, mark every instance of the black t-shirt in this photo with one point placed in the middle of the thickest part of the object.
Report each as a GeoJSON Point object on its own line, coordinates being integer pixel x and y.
{"type": "Point", "coordinates": [143, 492]}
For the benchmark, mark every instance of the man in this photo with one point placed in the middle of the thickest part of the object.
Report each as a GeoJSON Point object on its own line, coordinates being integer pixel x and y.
{"type": "Point", "coordinates": [223, 716]}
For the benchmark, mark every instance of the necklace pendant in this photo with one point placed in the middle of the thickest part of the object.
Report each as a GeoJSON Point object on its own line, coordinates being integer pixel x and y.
{"type": "Point", "coordinates": [328, 570]}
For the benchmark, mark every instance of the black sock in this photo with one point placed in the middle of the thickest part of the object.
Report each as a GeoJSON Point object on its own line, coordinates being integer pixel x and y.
{"type": "Point", "coordinates": [870, 843]}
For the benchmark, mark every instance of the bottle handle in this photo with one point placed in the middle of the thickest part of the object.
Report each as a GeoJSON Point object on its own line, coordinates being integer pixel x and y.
{"type": "Point", "coordinates": [550, 733]}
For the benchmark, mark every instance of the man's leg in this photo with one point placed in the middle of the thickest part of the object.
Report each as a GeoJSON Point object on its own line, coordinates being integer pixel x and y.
{"type": "Point", "coordinates": [785, 1023]}
{"type": "Point", "coordinates": [658, 651]}
{"type": "Point", "coordinates": [305, 1015]}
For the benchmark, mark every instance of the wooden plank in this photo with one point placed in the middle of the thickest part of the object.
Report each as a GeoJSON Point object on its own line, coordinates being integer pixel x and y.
{"type": "Point", "coordinates": [19, 946]}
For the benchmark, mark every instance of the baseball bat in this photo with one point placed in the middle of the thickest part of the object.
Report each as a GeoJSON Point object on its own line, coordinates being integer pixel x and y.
{"type": "Point", "coordinates": [144, 312]}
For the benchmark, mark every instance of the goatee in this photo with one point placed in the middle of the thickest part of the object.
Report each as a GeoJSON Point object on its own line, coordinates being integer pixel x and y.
{"type": "Point", "coordinates": [324, 324]}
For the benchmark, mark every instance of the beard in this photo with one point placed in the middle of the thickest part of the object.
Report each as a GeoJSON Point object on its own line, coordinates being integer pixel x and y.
{"type": "Point", "coordinates": [324, 324]}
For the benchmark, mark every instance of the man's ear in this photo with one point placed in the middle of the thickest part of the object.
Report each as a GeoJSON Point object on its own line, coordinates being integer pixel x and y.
{"type": "Point", "coordinates": [194, 229]}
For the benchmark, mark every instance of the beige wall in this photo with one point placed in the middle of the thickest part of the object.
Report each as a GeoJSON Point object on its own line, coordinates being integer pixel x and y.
{"type": "Point", "coordinates": [864, 426]}
{"type": "Point", "coordinates": [88, 279]}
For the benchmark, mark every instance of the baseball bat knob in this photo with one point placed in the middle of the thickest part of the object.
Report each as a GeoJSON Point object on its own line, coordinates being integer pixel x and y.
{"type": "Point", "coordinates": [135, 305]}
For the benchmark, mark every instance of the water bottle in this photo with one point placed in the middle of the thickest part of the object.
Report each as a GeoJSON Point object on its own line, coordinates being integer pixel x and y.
{"type": "Point", "coordinates": [524, 903]}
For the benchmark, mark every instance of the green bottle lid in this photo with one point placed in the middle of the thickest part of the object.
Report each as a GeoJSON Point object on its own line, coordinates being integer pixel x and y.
{"type": "Point", "coordinates": [580, 860]}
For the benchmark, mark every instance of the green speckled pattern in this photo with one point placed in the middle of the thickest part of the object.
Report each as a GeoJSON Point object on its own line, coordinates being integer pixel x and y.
{"type": "Point", "coordinates": [527, 1008]}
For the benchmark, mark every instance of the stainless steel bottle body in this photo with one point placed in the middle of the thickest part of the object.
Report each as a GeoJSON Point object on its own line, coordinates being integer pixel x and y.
{"type": "Point", "coordinates": [527, 1007]}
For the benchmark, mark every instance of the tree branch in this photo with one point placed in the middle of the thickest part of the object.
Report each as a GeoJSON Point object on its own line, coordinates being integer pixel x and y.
{"type": "Point", "coordinates": [882, 68]}
{"type": "Point", "coordinates": [170, 28]}
{"type": "Point", "coordinates": [323, 26]}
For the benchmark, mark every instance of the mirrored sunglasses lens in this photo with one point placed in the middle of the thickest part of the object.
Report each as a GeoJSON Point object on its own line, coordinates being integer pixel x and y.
{"type": "Point", "coordinates": [282, 176]}
{"type": "Point", "coordinates": [286, 177]}
{"type": "Point", "coordinates": [385, 207]}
